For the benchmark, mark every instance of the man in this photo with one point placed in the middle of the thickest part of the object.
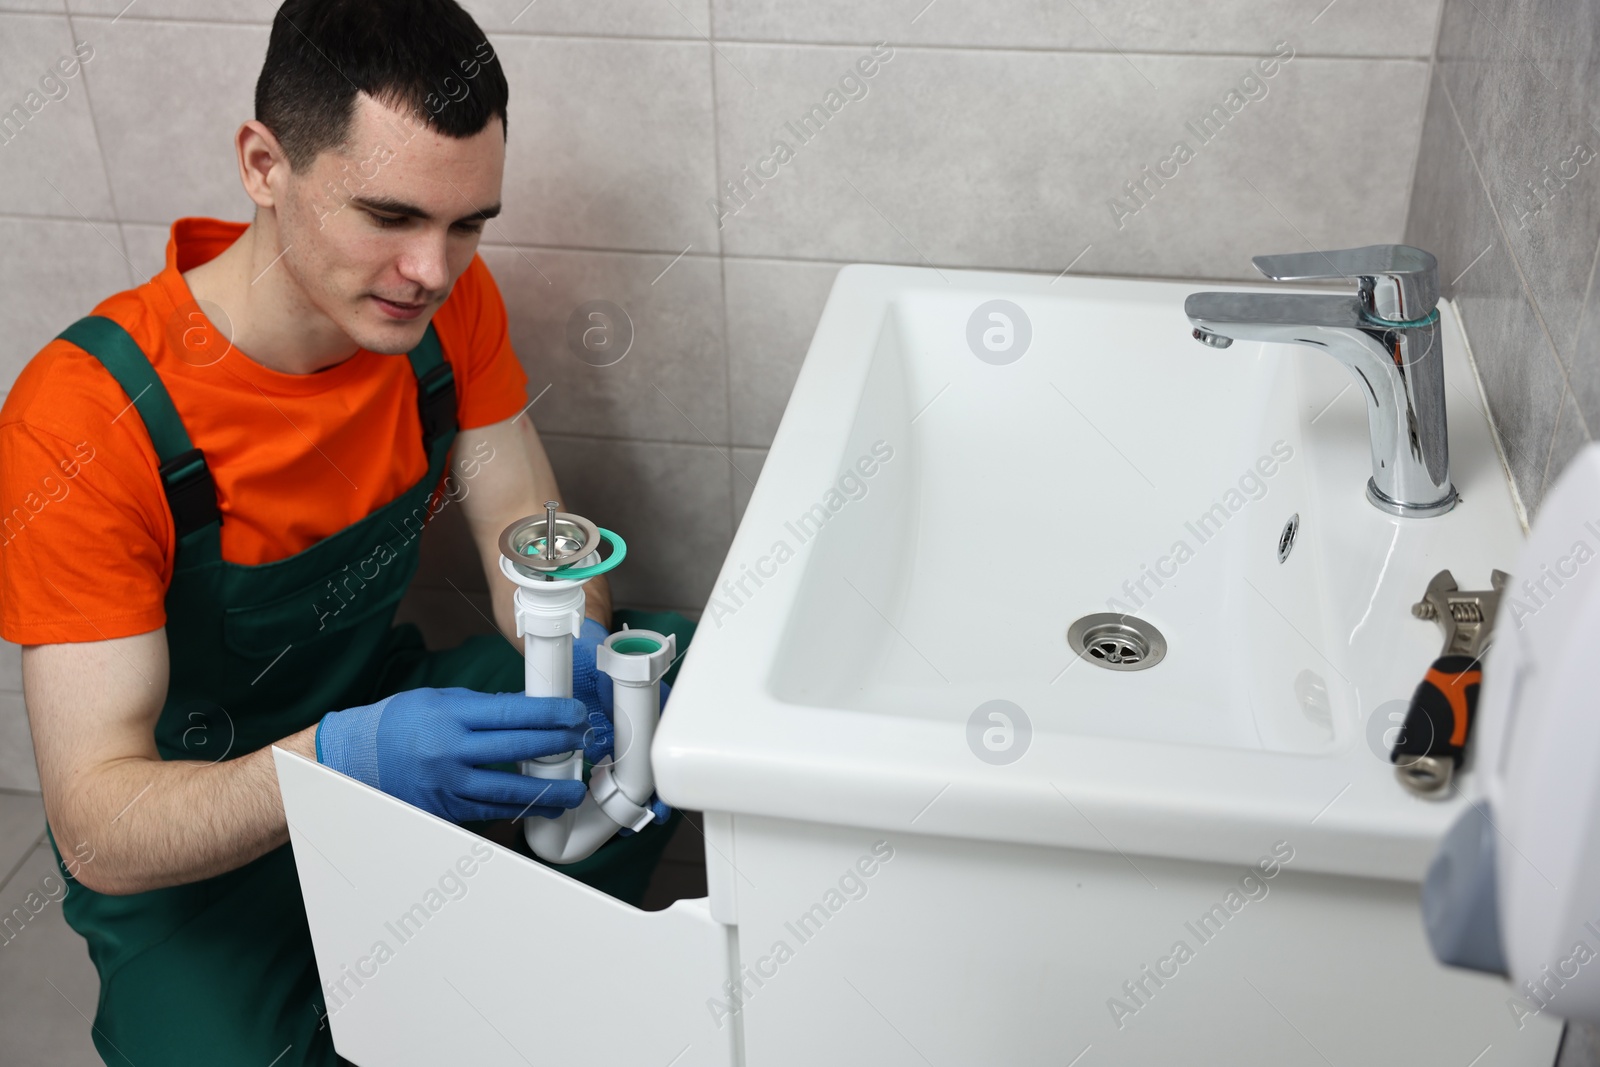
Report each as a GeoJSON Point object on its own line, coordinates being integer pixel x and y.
{"type": "Point", "coordinates": [210, 495]}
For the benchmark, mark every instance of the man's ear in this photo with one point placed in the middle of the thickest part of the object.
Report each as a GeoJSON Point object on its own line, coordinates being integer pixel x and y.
{"type": "Point", "coordinates": [263, 166]}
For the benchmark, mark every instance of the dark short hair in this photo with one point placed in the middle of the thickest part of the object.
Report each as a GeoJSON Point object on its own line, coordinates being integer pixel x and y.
{"type": "Point", "coordinates": [418, 56]}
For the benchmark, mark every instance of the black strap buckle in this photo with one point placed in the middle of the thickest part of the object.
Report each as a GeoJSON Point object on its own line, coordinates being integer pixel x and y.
{"type": "Point", "coordinates": [436, 404]}
{"type": "Point", "coordinates": [191, 491]}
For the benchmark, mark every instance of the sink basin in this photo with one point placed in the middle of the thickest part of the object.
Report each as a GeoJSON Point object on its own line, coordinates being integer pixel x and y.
{"type": "Point", "coordinates": [969, 463]}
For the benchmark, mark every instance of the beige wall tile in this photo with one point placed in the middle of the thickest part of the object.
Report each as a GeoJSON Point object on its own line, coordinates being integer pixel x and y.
{"type": "Point", "coordinates": [1014, 160]}
{"type": "Point", "coordinates": [168, 99]}
{"type": "Point", "coordinates": [671, 383]}
{"type": "Point", "coordinates": [49, 158]}
{"type": "Point", "coordinates": [53, 272]}
{"type": "Point", "coordinates": [773, 308]}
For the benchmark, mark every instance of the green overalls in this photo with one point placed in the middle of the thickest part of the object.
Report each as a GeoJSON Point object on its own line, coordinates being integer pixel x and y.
{"type": "Point", "coordinates": [221, 971]}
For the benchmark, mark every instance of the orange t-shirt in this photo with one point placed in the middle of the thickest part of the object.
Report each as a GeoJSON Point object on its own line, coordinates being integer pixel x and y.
{"type": "Point", "coordinates": [86, 537]}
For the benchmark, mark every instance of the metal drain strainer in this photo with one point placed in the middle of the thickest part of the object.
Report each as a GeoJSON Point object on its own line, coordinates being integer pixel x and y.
{"type": "Point", "coordinates": [540, 544]}
{"type": "Point", "coordinates": [1117, 642]}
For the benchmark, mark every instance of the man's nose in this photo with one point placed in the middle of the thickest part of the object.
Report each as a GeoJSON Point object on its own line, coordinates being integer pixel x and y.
{"type": "Point", "coordinates": [424, 262]}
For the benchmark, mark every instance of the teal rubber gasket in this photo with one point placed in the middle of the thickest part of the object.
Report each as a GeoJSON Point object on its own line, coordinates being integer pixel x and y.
{"type": "Point", "coordinates": [1405, 324]}
{"type": "Point", "coordinates": [619, 552]}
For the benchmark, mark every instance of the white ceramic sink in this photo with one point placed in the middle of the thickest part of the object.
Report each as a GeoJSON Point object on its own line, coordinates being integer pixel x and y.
{"type": "Point", "coordinates": [843, 655]}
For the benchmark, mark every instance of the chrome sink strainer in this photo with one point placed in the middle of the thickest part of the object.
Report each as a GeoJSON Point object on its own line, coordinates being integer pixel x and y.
{"type": "Point", "coordinates": [1117, 642]}
{"type": "Point", "coordinates": [541, 544]}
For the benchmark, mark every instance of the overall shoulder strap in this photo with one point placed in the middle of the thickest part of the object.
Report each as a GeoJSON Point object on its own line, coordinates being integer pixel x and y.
{"type": "Point", "coordinates": [436, 390]}
{"type": "Point", "coordinates": [191, 492]}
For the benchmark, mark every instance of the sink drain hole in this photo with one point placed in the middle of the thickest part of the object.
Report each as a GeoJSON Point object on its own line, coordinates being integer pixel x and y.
{"type": "Point", "coordinates": [1117, 648]}
{"type": "Point", "coordinates": [1117, 642]}
{"type": "Point", "coordinates": [1286, 539]}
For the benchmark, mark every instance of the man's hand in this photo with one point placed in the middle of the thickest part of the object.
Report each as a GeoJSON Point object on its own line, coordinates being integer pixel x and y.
{"type": "Point", "coordinates": [427, 747]}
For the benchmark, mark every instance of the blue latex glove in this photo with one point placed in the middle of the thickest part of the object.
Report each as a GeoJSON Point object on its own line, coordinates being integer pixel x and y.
{"type": "Point", "coordinates": [658, 807]}
{"type": "Point", "coordinates": [594, 688]}
{"type": "Point", "coordinates": [427, 747]}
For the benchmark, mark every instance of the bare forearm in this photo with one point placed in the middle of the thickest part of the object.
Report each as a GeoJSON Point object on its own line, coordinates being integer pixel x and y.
{"type": "Point", "coordinates": [156, 823]}
{"type": "Point", "coordinates": [597, 600]}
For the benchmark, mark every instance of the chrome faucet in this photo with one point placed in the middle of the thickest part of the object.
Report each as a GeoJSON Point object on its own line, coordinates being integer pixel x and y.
{"type": "Point", "coordinates": [1387, 334]}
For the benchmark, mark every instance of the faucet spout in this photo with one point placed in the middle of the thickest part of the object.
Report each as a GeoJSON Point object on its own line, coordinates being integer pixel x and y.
{"type": "Point", "coordinates": [1398, 365]}
{"type": "Point", "coordinates": [1332, 323]}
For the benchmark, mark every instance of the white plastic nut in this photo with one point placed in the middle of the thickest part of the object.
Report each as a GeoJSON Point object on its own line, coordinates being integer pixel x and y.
{"type": "Point", "coordinates": [636, 657]}
{"type": "Point", "coordinates": [545, 609]}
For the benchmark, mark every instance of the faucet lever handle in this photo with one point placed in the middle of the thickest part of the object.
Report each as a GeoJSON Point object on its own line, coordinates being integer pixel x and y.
{"type": "Point", "coordinates": [1397, 283]}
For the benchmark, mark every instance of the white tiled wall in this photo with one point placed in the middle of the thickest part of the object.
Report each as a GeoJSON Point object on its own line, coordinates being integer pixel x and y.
{"type": "Point", "coordinates": [995, 137]}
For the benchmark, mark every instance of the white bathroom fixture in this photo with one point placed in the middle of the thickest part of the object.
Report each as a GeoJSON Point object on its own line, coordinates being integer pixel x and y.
{"type": "Point", "coordinates": [1113, 466]}
{"type": "Point", "coordinates": [970, 464]}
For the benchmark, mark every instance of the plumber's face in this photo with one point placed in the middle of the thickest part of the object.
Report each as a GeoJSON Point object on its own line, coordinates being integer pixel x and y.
{"type": "Point", "coordinates": [382, 226]}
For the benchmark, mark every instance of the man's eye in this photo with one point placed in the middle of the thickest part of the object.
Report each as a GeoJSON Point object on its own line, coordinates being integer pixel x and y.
{"type": "Point", "coordinates": [470, 227]}
{"type": "Point", "coordinates": [386, 221]}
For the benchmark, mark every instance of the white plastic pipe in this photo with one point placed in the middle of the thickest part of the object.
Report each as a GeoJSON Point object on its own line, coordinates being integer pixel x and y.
{"type": "Point", "coordinates": [637, 704]}
{"type": "Point", "coordinates": [549, 615]}
{"type": "Point", "coordinates": [635, 660]}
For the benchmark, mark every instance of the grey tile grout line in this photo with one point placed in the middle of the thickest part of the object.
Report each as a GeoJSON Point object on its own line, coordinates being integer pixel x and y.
{"type": "Point", "coordinates": [989, 268]}
{"type": "Point", "coordinates": [749, 257]}
{"type": "Point", "coordinates": [1555, 435]}
{"type": "Point", "coordinates": [1524, 290]}
{"type": "Point", "coordinates": [81, 220]}
{"type": "Point", "coordinates": [1487, 411]}
{"type": "Point", "coordinates": [24, 216]}
{"type": "Point", "coordinates": [700, 443]}
{"type": "Point", "coordinates": [5, 883]}
{"type": "Point", "coordinates": [1587, 303]}
{"type": "Point", "coordinates": [734, 473]}
{"type": "Point", "coordinates": [722, 267]}
{"type": "Point", "coordinates": [100, 151]}
{"type": "Point", "coordinates": [772, 42]}
{"type": "Point", "coordinates": [1422, 127]}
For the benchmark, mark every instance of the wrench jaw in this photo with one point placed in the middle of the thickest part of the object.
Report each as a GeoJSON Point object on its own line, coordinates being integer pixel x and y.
{"type": "Point", "coordinates": [1426, 776]}
{"type": "Point", "coordinates": [1467, 618]}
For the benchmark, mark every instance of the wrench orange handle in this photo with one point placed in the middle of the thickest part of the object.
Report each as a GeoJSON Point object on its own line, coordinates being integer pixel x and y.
{"type": "Point", "coordinates": [1439, 721]}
